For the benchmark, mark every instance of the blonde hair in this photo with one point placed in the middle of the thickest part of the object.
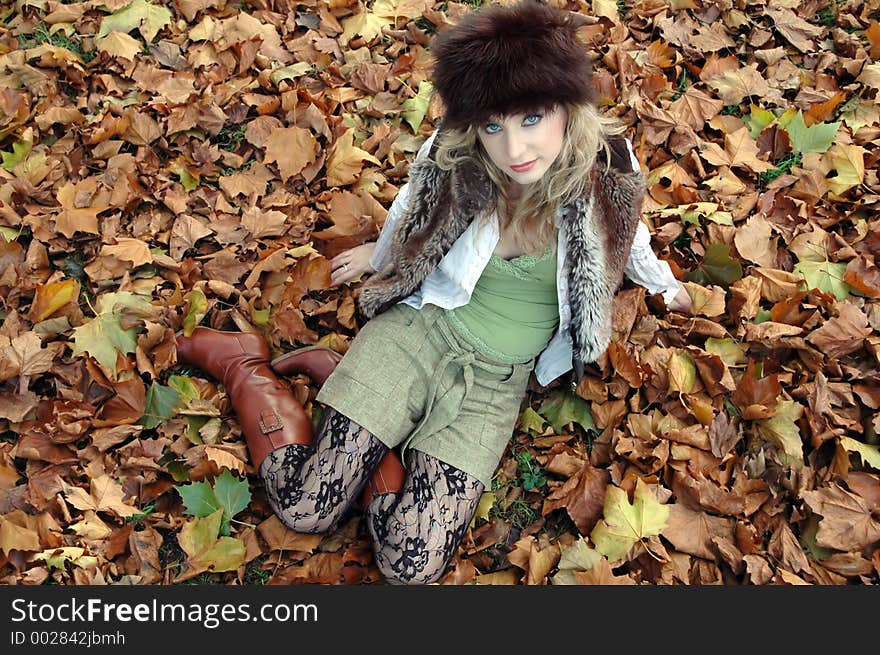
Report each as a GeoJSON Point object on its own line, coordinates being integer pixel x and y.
{"type": "Point", "coordinates": [532, 223]}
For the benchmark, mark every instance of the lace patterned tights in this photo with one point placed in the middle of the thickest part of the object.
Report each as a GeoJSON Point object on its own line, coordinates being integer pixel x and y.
{"type": "Point", "coordinates": [415, 531]}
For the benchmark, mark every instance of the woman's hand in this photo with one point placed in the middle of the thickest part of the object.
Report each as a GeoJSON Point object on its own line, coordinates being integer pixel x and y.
{"type": "Point", "coordinates": [682, 301]}
{"type": "Point", "coordinates": [351, 264]}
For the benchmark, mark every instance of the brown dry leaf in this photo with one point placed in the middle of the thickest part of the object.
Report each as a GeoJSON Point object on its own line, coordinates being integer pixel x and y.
{"type": "Point", "coordinates": [17, 534]}
{"type": "Point", "coordinates": [105, 496]}
{"type": "Point", "coordinates": [77, 213]}
{"type": "Point", "coordinates": [582, 496]}
{"type": "Point", "coordinates": [601, 574]}
{"type": "Point", "coordinates": [292, 149]}
{"type": "Point", "coordinates": [346, 161]}
{"type": "Point", "coordinates": [843, 334]}
{"type": "Point", "coordinates": [736, 85]}
{"type": "Point", "coordinates": [693, 532]}
{"type": "Point", "coordinates": [847, 523]}
{"type": "Point", "coordinates": [756, 397]}
{"type": "Point", "coordinates": [801, 34]}
{"type": "Point", "coordinates": [740, 150]}
{"type": "Point", "coordinates": [754, 242]}
{"type": "Point", "coordinates": [279, 537]}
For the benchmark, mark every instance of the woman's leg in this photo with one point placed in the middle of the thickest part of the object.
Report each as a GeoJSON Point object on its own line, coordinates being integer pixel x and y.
{"type": "Point", "coordinates": [416, 531]}
{"type": "Point", "coordinates": [311, 488]}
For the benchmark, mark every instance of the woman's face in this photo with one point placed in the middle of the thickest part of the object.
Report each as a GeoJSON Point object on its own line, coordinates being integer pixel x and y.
{"type": "Point", "coordinates": [524, 146]}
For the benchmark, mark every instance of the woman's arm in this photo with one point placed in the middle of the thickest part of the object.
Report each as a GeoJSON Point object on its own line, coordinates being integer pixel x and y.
{"type": "Point", "coordinates": [375, 255]}
{"type": "Point", "coordinates": [645, 269]}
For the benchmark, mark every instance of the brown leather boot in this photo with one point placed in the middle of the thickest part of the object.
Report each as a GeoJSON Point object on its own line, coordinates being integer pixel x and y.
{"type": "Point", "coordinates": [269, 415]}
{"type": "Point", "coordinates": [388, 477]}
{"type": "Point", "coordinates": [315, 361]}
{"type": "Point", "coordinates": [318, 363]}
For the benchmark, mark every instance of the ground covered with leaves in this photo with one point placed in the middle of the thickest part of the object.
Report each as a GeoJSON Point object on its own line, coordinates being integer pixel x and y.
{"type": "Point", "coordinates": [167, 164]}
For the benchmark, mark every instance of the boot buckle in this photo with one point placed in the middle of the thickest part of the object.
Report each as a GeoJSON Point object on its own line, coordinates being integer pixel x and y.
{"type": "Point", "coordinates": [270, 421]}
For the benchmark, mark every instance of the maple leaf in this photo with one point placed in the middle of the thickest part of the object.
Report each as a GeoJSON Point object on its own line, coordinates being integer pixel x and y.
{"type": "Point", "coordinates": [205, 550]}
{"type": "Point", "coordinates": [105, 496]}
{"type": "Point", "coordinates": [160, 405]}
{"type": "Point", "coordinates": [782, 430]}
{"type": "Point", "coordinates": [815, 138]}
{"type": "Point", "coordinates": [740, 150]}
{"type": "Point", "coordinates": [75, 215]}
{"type": "Point", "coordinates": [578, 557]}
{"type": "Point", "coordinates": [346, 160]}
{"type": "Point", "coordinates": [49, 298]}
{"type": "Point", "coordinates": [847, 523]}
{"type": "Point", "coordinates": [57, 558]}
{"type": "Point", "coordinates": [17, 533]}
{"type": "Point", "coordinates": [623, 525]}
{"type": "Point", "coordinates": [563, 407]}
{"type": "Point", "coordinates": [120, 44]}
{"type": "Point", "coordinates": [870, 454]}
{"type": "Point", "coordinates": [104, 337]}
{"type": "Point", "coordinates": [228, 493]}
{"type": "Point", "coordinates": [147, 18]}
{"type": "Point", "coordinates": [734, 86]}
{"type": "Point", "coordinates": [415, 108]}
{"type": "Point", "coordinates": [849, 162]}
{"type": "Point", "coordinates": [292, 149]}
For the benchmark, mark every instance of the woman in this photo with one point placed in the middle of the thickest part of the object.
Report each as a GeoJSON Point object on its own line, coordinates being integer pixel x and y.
{"type": "Point", "coordinates": [501, 255]}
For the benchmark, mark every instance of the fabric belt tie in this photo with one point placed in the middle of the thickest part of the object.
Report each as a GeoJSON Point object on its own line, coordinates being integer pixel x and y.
{"type": "Point", "coordinates": [463, 360]}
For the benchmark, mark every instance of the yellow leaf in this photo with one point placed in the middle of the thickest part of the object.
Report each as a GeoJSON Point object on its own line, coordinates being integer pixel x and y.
{"type": "Point", "coordinates": [49, 298]}
{"type": "Point", "coordinates": [120, 44]}
{"type": "Point", "coordinates": [622, 524]}
{"type": "Point", "coordinates": [849, 162]}
{"type": "Point", "coordinates": [682, 372]}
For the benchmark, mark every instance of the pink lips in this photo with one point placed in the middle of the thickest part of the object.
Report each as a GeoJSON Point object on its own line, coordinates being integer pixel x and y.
{"type": "Point", "coordinates": [522, 168]}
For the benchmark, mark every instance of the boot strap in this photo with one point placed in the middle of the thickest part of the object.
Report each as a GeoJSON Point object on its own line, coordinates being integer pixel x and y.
{"type": "Point", "coordinates": [270, 421]}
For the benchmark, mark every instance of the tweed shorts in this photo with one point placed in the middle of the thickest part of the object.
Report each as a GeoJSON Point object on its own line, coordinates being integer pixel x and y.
{"type": "Point", "coordinates": [412, 381]}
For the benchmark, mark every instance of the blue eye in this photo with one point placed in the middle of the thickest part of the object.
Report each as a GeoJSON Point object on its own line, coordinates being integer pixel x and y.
{"type": "Point", "coordinates": [491, 128]}
{"type": "Point", "coordinates": [533, 119]}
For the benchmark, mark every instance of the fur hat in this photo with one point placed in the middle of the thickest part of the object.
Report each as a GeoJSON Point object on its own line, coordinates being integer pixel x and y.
{"type": "Point", "coordinates": [502, 60]}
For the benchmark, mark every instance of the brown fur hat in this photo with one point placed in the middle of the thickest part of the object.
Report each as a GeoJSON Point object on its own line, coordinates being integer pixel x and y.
{"type": "Point", "coordinates": [502, 60]}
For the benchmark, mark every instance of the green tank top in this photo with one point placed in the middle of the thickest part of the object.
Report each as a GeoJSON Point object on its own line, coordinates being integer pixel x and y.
{"type": "Point", "coordinates": [514, 309]}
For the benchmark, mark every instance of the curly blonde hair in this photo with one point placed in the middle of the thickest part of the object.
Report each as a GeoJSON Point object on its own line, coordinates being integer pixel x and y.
{"type": "Point", "coordinates": [532, 221]}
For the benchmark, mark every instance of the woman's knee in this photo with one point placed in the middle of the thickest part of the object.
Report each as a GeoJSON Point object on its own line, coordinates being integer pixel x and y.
{"type": "Point", "coordinates": [410, 567]}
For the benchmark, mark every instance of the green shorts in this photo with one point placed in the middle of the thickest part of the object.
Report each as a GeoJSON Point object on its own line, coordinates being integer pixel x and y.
{"type": "Point", "coordinates": [414, 382]}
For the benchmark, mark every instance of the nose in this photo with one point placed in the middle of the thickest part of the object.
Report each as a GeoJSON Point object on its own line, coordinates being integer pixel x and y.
{"type": "Point", "coordinates": [514, 146]}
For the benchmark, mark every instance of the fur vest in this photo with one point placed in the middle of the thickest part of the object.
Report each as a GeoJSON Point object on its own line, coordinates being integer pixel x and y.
{"type": "Point", "coordinates": [598, 230]}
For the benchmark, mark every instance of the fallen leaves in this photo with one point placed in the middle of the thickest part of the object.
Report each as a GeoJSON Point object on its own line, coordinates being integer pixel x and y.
{"type": "Point", "coordinates": [224, 156]}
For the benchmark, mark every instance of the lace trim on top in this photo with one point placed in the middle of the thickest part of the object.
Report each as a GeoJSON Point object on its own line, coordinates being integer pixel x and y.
{"type": "Point", "coordinates": [520, 266]}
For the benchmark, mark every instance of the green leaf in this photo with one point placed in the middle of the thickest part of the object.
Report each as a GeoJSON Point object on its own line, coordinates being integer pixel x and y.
{"type": "Point", "coordinates": [870, 454]}
{"type": "Point", "coordinates": [531, 421]}
{"type": "Point", "coordinates": [20, 150]}
{"type": "Point", "coordinates": [562, 407]}
{"type": "Point", "coordinates": [161, 404]}
{"type": "Point", "coordinates": [233, 494]}
{"type": "Point", "coordinates": [817, 138]}
{"type": "Point", "coordinates": [196, 308]}
{"type": "Point", "coordinates": [758, 119]}
{"type": "Point", "coordinates": [730, 352]}
{"type": "Point", "coordinates": [622, 524]}
{"type": "Point", "coordinates": [103, 336]}
{"type": "Point", "coordinates": [826, 276]}
{"type": "Point", "coordinates": [147, 18]}
{"type": "Point", "coordinates": [185, 387]}
{"type": "Point", "coordinates": [577, 557]}
{"type": "Point", "coordinates": [198, 498]}
{"type": "Point", "coordinates": [782, 431]}
{"type": "Point", "coordinates": [719, 266]}
{"type": "Point", "coordinates": [198, 539]}
{"type": "Point", "coordinates": [414, 109]}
